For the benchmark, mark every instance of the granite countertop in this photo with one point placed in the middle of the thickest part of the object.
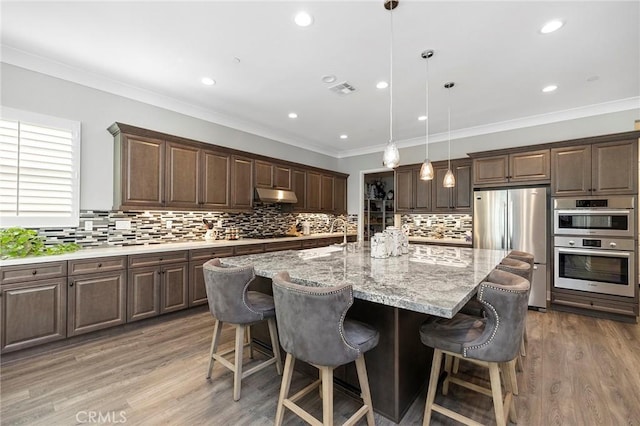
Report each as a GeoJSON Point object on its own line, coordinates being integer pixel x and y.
{"type": "Point", "coordinates": [436, 280]}
{"type": "Point", "coordinates": [157, 248]}
{"type": "Point", "coordinates": [431, 240]}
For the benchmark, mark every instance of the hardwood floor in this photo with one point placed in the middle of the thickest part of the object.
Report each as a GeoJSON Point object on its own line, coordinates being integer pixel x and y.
{"type": "Point", "coordinates": [578, 371]}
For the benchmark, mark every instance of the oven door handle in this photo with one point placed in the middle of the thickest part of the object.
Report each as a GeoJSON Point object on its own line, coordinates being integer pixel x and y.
{"type": "Point", "coordinates": [606, 253]}
{"type": "Point", "coordinates": [592, 212]}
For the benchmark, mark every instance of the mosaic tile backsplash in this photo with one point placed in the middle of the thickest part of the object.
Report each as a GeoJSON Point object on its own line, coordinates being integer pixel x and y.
{"type": "Point", "coordinates": [152, 227]}
{"type": "Point", "coordinates": [457, 226]}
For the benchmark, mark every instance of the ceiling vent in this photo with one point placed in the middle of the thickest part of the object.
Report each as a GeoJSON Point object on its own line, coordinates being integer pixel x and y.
{"type": "Point", "coordinates": [343, 88]}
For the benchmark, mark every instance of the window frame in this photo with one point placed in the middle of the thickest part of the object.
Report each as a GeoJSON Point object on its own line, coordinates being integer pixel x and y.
{"type": "Point", "coordinates": [37, 119]}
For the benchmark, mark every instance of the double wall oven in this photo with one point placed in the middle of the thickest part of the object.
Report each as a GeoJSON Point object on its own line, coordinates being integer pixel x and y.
{"type": "Point", "coordinates": [594, 244]}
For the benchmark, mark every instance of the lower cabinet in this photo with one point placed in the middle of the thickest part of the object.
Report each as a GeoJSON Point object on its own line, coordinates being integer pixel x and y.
{"type": "Point", "coordinates": [197, 258]}
{"type": "Point", "coordinates": [599, 305]}
{"type": "Point", "coordinates": [155, 290]}
{"type": "Point", "coordinates": [95, 301]}
{"type": "Point", "coordinates": [20, 327]}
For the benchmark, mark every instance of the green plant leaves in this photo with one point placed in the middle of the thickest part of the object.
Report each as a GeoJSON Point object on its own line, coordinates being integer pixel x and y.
{"type": "Point", "coordinates": [20, 242]}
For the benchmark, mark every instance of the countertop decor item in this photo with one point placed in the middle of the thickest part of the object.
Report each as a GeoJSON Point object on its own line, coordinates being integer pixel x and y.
{"type": "Point", "coordinates": [20, 242]}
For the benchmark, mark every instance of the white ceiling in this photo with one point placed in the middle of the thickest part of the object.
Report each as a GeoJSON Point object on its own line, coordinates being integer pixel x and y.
{"type": "Point", "coordinates": [158, 52]}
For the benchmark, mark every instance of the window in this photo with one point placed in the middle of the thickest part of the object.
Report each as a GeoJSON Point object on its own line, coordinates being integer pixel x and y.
{"type": "Point", "coordinates": [39, 170]}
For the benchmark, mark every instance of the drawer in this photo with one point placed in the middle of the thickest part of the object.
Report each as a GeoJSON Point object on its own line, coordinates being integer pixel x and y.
{"type": "Point", "coordinates": [309, 243]}
{"type": "Point", "coordinates": [155, 259]}
{"type": "Point", "coordinates": [37, 271]}
{"type": "Point", "coordinates": [103, 264]}
{"type": "Point", "coordinates": [249, 249]}
{"type": "Point", "coordinates": [210, 253]}
{"type": "Point", "coordinates": [284, 245]}
{"type": "Point", "coordinates": [595, 303]}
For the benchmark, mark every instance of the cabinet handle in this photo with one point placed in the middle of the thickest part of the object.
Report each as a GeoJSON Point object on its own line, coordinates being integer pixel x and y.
{"type": "Point", "coordinates": [99, 265]}
{"type": "Point", "coordinates": [160, 259]}
{"type": "Point", "coordinates": [71, 284]}
{"type": "Point", "coordinates": [34, 272]}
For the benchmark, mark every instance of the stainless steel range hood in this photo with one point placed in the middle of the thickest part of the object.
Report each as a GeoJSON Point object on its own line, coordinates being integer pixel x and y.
{"type": "Point", "coordinates": [267, 195]}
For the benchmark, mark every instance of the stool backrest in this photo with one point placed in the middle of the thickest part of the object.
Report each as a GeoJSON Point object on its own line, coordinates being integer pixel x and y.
{"type": "Point", "coordinates": [518, 267]}
{"type": "Point", "coordinates": [310, 321]}
{"type": "Point", "coordinates": [227, 292]}
{"type": "Point", "coordinates": [504, 296]}
{"type": "Point", "coordinates": [522, 256]}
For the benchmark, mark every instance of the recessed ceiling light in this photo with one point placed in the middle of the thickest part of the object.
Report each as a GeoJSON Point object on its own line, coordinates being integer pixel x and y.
{"type": "Point", "coordinates": [593, 78]}
{"type": "Point", "coordinates": [382, 85]}
{"type": "Point", "coordinates": [293, 115]}
{"type": "Point", "coordinates": [344, 136]}
{"type": "Point", "coordinates": [329, 78]}
{"type": "Point", "coordinates": [550, 88]}
{"type": "Point", "coordinates": [422, 117]}
{"type": "Point", "coordinates": [208, 81]}
{"type": "Point", "coordinates": [551, 26]}
{"type": "Point", "coordinates": [303, 19]}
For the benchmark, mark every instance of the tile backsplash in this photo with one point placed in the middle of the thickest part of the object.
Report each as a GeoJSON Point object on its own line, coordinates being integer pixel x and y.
{"type": "Point", "coordinates": [150, 227]}
{"type": "Point", "coordinates": [457, 226]}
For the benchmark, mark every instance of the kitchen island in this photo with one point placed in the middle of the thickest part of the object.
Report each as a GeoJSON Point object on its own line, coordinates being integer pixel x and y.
{"type": "Point", "coordinates": [394, 295]}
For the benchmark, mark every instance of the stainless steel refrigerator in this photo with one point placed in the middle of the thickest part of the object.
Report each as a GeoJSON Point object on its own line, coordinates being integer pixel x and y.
{"type": "Point", "coordinates": [516, 219]}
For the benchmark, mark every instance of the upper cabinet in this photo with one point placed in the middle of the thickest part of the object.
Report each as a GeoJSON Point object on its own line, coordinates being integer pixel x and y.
{"type": "Point", "coordinates": [412, 195]}
{"type": "Point", "coordinates": [596, 169]}
{"type": "Point", "coordinates": [157, 171]}
{"type": "Point", "coordinates": [515, 168]}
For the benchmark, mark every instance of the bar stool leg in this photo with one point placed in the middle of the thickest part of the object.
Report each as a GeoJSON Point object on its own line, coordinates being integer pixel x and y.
{"type": "Point", "coordinates": [496, 391]}
{"type": "Point", "coordinates": [327, 395]}
{"type": "Point", "coordinates": [364, 387]}
{"type": "Point", "coordinates": [448, 361]}
{"type": "Point", "coordinates": [249, 341]}
{"type": "Point", "coordinates": [509, 383]}
{"type": "Point", "coordinates": [284, 388]}
{"type": "Point", "coordinates": [275, 344]}
{"type": "Point", "coordinates": [217, 329]}
{"type": "Point", "coordinates": [237, 370]}
{"type": "Point", "coordinates": [433, 384]}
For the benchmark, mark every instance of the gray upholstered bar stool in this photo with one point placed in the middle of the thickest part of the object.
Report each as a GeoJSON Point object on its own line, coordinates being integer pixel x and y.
{"type": "Point", "coordinates": [523, 256]}
{"type": "Point", "coordinates": [231, 302]}
{"type": "Point", "coordinates": [491, 341]}
{"type": "Point", "coordinates": [313, 329]}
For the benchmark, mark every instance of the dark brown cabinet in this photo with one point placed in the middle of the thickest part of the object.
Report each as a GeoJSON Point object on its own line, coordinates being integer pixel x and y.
{"type": "Point", "coordinates": [340, 195]}
{"type": "Point", "coordinates": [327, 186]}
{"type": "Point", "coordinates": [241, 182]}
{"type": "Point", "coordinates": [270, 175]}
{"type": "Point", "coordinates": [597, 169]}
{"type": "Point", "coordinates": [96, 301]}
{"type": "Point", "coordinates": [515, 168]}
{"type": "Point", "coordinates": [313, 193]}
{"type": "Point", "coordinates": [182, 179]}
{"type": "Point", "coordinates": [458, 198]}
{"type": "Point", "coordinates": [157, 283]}
{"type": "Point", "coordinates": [142, 173]}
{"type": "Point", "coordinates": [281, 177]}
{"type": "Point", "coordinates": [33, 313]}
{"type": "Point", "coordinates": [412, 194]}
{"type": "Point", "coordinates": [197, 291]}
{"type": "Point", "coordinates": [299, 187]}
{"type": "Point", "coordinates": [216, 180]}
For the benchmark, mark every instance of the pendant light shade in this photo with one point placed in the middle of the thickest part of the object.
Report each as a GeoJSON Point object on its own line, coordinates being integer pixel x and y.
{"type": "Point", "coordinates": [391, 155]}
{"type": "Point", "coordinates": [449, 180]}
{"type": "Point", "coordinates": [426, 171]}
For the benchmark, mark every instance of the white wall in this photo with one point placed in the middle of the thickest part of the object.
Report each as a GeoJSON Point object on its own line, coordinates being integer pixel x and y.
{"type": "Point", "coordinates": [97, 110]}
{"type": "Point", "coordinates": [565, 130]}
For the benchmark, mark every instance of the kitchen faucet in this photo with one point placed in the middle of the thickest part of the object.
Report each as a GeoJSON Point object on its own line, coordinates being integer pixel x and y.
{"type": "Point", "coordinates": [344, 222]}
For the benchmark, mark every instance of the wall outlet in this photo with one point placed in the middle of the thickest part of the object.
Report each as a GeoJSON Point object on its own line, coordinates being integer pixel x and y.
{"type": "Point", "coordinates": [123, 224]}
{"type": "Point", "coordinates": [169, 224]}
{"type": "Point", "coordinates": [88, 225]}
{"type": "Point", "coordinates": [457, 225]}
{"type": "Point", "coordinates": [219, 225]}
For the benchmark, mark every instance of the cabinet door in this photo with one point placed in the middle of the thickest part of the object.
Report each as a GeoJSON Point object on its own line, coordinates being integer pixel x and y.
{"type": "Point", "coordinates": [197, 289]}
{"type": "Point", "coordinates": [490, 170]}
{"type": "Point", "coordinates": [463, 191]}
{"type": "Point", "coordinates": [182, 178]}
{"type": "Point", "coordinates": [530, 166]}
{"type": "Point", "coordinates": [174, 287]}
{"type": "Point", "coordinates": [340, 195]}
{"type": "Point", "coordinates": [241, 182]}
{"type": "Point", "coordinates": [422, 189]}
{"type": "Point", "coordinates": [299, 186]}
{"type": "Point", "coordinates": [327, 194]}
{"type": "Point", "coordinates": [615, 167]}
{"type": "Point", "coordinates": [404, 190]}
{"type": "Point", "coordinates": [441, 198]}
{"type": "Point", "coordinates": [216, 181]}
{"type": "Point", "coordinates": [142, 177]}
{"type": "Point", "coordinates": [96, 301]}
{"type": "Point", "coordinates": [263, 174]}
{"type": "Point", "coordinates": [143, 293]}
{"type": "Point", "coordinates": [33, 313]}
{"type": "Point", "coordinates": [313, 191]}
{"type": "Point", "coordinates": [571, 170]}
{"type": "Point", "coordinates": [281, 177]}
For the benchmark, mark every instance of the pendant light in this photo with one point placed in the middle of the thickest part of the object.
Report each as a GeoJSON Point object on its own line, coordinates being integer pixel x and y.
{"type": "Point", "coordinates": [449, 180]}
{"type": "Point", "coordinates": [391, 155]}
{"type": "Point", "coordinates": [426, 171]}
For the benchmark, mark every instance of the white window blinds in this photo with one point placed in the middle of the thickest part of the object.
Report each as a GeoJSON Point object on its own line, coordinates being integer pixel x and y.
{"type": "Point", "coordinates": [39, 169]}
